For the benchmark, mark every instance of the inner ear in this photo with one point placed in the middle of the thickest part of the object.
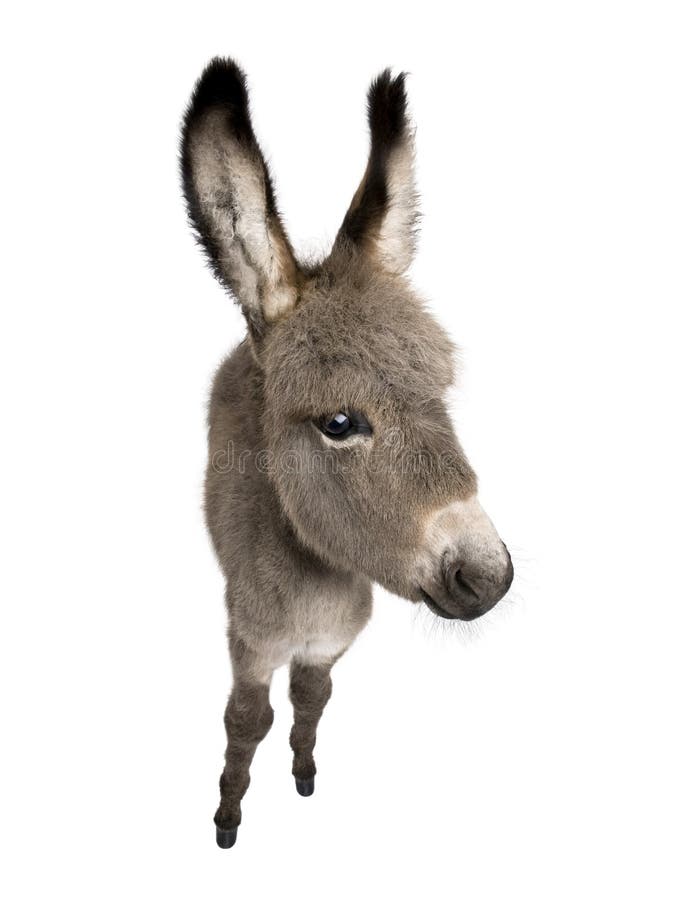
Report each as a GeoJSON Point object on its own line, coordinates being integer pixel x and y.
{"type": "Point", "coordinates": [231, 200]}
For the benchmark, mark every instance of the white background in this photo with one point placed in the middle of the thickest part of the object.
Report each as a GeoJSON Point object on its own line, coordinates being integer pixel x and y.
{"type": "Point", "coordinates": [536, 757]}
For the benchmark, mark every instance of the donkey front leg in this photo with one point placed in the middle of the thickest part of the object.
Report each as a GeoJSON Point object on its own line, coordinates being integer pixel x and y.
{"type": "Point", "coordinates": [310, 690]}
{"type": "Point", "coordinates": [248, 718]}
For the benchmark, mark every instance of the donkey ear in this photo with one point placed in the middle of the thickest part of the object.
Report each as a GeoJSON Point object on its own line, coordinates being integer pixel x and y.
{"type": "Point", "coordinates": [230, 198]}
{"type": "Point", "coordinates": [383, 215]}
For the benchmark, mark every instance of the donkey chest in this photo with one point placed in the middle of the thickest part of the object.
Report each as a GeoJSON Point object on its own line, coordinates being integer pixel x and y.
{"type": "Point", "coordinates": [323, 621]}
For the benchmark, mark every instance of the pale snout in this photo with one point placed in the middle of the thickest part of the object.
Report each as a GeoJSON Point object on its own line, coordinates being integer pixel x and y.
{"type": "Point", "coordinates": [469, 568]}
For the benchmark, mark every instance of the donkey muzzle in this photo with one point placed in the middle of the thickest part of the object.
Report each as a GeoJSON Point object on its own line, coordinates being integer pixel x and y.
{"type": "Point", "coordinates": [468, 591]}
{"type": "Point", "coordinates": [470, 568]}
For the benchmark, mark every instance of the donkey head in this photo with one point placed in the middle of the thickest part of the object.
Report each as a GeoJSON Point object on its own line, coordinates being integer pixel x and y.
{"type": "Point", "coordinates": [354, 371]}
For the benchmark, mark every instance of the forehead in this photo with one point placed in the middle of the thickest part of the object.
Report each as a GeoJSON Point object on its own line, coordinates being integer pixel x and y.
{"type": "Point", "coordinates": [357, 340]}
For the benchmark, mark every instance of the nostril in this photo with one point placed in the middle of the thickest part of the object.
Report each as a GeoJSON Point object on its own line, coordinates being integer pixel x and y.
{"type": "Point", "coordinates": [458, 583]}
{"type": "Point", "coordinates": [464, 585]}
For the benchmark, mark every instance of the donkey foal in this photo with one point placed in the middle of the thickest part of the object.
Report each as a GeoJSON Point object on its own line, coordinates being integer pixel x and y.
{"type": "Point", "coordinates": [333, 461]}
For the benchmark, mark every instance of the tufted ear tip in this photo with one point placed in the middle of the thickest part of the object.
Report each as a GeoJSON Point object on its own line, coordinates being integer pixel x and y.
{"type": "Point", "coordinates": [222, 85]}
{"type": "Point", "coordinates": [222, 80]}
{"type": "Point", "coordinates": [387, 108]}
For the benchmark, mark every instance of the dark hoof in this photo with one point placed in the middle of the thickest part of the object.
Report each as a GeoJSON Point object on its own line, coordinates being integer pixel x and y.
{"type": "Point", "coordinates": [305, 786]}
{"type": "Point", "coordinates": [226, 837]}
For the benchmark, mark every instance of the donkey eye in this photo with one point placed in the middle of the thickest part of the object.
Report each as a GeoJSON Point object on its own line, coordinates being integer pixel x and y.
{"type": "Point", "coordinates": [342, 425]}
{"type": "Point", "coordinates": [339, 425]}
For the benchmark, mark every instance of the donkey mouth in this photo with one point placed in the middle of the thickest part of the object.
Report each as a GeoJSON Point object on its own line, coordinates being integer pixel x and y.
{"type": "Point", "coordinates": [434, 607]}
